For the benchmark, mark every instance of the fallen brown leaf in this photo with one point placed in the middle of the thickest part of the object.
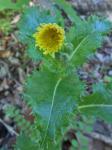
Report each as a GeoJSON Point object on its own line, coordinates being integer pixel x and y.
{"type": "Point", "coordinates": [5, 54]}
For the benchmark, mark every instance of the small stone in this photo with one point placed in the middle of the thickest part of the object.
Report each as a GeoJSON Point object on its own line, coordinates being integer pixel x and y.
{"type": "Point", "coordinates": [14, 61]}
{"type": "Point", "coordinates": [20, 89]}
{"type": "Point", "coordinates": [100, 57]}
{"type": "Point", "coordinates": [3, 69]}
{"type": "Point", "coordinates": [6, 93]}
{"type": "Point", "coordinates": [110, 73]}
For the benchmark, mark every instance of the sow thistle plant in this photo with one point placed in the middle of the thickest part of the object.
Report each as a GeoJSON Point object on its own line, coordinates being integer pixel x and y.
{"type": "Point", "coordinates": [55, 93]}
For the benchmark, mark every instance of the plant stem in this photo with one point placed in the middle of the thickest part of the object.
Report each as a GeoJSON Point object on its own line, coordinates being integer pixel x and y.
{"type": "Point", "coordinates": [10, 129]}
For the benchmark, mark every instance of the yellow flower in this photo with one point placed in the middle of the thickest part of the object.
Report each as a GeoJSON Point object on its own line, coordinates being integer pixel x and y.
{"type": "Point", "coordinates": [49, 37]}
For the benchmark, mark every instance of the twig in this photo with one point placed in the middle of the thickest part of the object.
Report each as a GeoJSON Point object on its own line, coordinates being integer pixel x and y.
{"type": "Point", "coordinates": [99, 137]}
{"type": "Point", "coordinates": [10, 129]}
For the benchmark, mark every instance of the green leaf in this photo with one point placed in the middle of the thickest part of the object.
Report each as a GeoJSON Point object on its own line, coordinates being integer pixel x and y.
{"type": "Point", "coordinates": [87, 45]}
{"type": "Point", "coordinates": [53, 98]}
{"type": "Point", "coordinates": [101, 25]}
{"type": "Point", "coordinates": [93, 24]}
{"type": "Point", "coordinates": [33, 52]}
{"type": "Point", "coordinates": [68, 10]}
{"type": "Point", "coordinates": [87, 37]}
{"type": "Point", "coordinates": [58, 17]}
{"type": "Point", "coordinates": [32, 17]}
{"type": "Point", "coordinates": [25, 143]}
{"type": "Point", "coordinates": [99, 103]}
{"type": "Point", "coordinates": [11, 4]}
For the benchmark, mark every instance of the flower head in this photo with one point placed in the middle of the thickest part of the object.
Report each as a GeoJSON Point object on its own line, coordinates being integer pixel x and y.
{"type": "Point", "coordinates": [49, 37]}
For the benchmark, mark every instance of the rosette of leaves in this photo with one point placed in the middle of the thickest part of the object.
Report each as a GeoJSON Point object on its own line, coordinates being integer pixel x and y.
{"type": "Point", "coordinates": [55, 92]}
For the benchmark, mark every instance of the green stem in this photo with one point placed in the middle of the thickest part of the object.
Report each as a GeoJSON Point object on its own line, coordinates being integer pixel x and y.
{"type": "Point", "coordinates": [52, 104]}
{"type": "Point", "coordinates": [94, 105]}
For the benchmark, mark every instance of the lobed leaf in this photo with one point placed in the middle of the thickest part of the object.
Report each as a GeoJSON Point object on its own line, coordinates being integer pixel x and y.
{"type": "Point", "coordinates": [87, 37]}
{"type": "Point", "coordinates": [53, 98]}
